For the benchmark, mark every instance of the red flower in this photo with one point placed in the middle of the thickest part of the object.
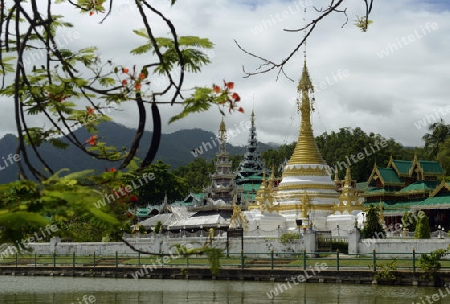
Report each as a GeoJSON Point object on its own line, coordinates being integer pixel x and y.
{"type": "Point", "coordinates": [91, 13]}
{"type": "Point", "coordinates": [89, 110]}
{"type": "Point", "coordinates": [137, 86]}
{"type": "Point", "coordinates": [124, 82]}
{"type": "Point", "coordinates": [229, 85]}
{"type": "Point", "coordinates": [134, 198]}
{"type": "Point", "coordinates": [125, 70]}
{"type": "Point", "coordinates": [240, 109]}
{"type": "Point", "coordinates": [112, 170]}
{"type": "Point", "coordinates": [141, 75]}
{"type": "Point", "coordinates": [236, 97]}
{"type": "Point", "coordinates": [216, 89]}
{"type": "Point", "coordinates": [92, 140]}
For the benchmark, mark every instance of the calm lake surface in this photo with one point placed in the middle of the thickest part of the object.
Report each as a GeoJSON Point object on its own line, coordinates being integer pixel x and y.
{"type": "Point", "coordinates": [14, 289]}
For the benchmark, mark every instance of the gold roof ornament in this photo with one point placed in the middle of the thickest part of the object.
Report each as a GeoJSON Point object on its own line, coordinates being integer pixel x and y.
{"type": "Point", "coordinates": [238, 219]}
{"type": "Point", "coordinates": [306, 151]}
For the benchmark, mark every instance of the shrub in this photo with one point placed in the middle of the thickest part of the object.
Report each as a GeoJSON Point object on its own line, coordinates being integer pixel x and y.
{"type": "Point", "coordinates": [373, 227]}
{"type": "Point", "coordinates": [158, 227]}
{"type": "Point", "coordinates": [342, 246]}
{"type": "Point", "coordinates": [430, 263]}
{"type": "Point", "coordinates": [288, 237]}
{"type": "Point", "coordinates": [423, 230]}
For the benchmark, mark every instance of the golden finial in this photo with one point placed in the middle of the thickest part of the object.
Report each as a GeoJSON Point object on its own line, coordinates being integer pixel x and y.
{"type": "Point", "coordinates": [348, 177]}
{"type": "Point", "coordinates": [306, 151]}
{"type": "Point", "coordinates": [222, 131]}
{"type": "Point", "coordinates": [336, 176]}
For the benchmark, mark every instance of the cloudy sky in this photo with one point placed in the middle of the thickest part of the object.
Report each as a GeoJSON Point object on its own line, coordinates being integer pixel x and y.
{"type": "Point", "coordinates": [385, 81]}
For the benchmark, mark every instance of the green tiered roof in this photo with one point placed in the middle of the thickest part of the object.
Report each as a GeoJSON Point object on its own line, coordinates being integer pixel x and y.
{"type": "Point", "coordinates": [421, 186]}
{"type": "Point", "coordinates": [406, 185]}
{"type": "Point", "coordinates": [431, 167]}
{"type": "Point", "coordinates": [403, 166]}
{"type": "Point", "coordinates": [250, 171]}
{"type": "Point", "coordinates": [389, 176]}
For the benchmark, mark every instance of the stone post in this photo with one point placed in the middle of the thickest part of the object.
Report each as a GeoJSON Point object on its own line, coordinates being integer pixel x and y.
{"type": "Point", "coordinates": [353, 239]}
{"type": "Point", "coordinates": [53, 243]}
{"type": "Point", "coordinates": [310, 241]}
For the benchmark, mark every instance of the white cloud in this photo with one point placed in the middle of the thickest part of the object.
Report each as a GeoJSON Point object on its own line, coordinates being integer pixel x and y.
{"type": "Point", "coordinates": [382, 95]}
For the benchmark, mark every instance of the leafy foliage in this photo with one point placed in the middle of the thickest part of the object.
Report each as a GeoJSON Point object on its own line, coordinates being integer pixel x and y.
{"type": "Point", "coordinates": [72, 89]}
{"type": "Point", "coordinates": [387, 272]}
{"type": "Point", "coordinates": [410, 220]}
{"type": "Point", "coordinates": [373, 227]}
{"type": "Point", "coordinates": [158, 227]}
{"type": "Point", "coordinates": [430, 263]}
{"type": "Point", "coordinates": [213, 252]}
{"type": "Point", "coordinates": [423, 230]}
{"type": "Point", "coordinates": [162, 182]}
{"type": "Point", "coordinates": [28, 206]}
{"type": "Point", "coordinates": [288, 237]}
{"type": "Point", "coordinates": [439, 132]}
{"type": "Point", "coordinates": [335, 147]}
{"type": "Point", "coordinates": [342, 246]}
{"type": "Point", "coordinates": [196, 174]}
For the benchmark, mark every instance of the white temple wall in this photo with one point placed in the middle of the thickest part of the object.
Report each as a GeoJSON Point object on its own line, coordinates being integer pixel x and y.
{"type": "Point", "coordinates": [260, 245]}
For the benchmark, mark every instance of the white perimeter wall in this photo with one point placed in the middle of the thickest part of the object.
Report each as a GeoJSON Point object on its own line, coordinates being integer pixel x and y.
{"type": "Point", "coordinates": [162, 244]}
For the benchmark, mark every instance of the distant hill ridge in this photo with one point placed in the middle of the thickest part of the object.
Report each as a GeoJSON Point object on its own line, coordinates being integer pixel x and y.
{"type": "Point", "coordinates": [176, 149]}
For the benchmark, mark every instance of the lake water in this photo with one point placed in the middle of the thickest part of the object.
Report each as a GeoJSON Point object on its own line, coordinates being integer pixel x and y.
{"type": "Point", "coordinates": [15, 289]}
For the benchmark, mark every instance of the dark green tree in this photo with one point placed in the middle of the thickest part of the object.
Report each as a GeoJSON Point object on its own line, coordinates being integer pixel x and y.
{"type": "Point", "coordinates": [409, 220]}
{"type": "Point", "coordinates": [162, 181]}
{"type": "Point", "coordinates": [439, 132]}
{"type": "Point", "coordinates": [196, 174]}
{"type": "Point", "coordinates": [275, 158]}
{"type": "Point", "coordinates": [236, 160]}
{"type": "Point", "coordinates": [372, 226]}
{"type": "Point", "coordinates": [340, 149]}
{"type": "Point", "coordinates": [423, 230]}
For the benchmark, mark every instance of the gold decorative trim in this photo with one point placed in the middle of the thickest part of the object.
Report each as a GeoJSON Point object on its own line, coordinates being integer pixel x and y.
{"type": "Point", "coordinates": [307, 186]}
{"type": "Point", "coordinates": [306, 172]}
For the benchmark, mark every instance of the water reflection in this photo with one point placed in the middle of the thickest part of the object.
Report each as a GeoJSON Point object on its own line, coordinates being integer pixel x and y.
{"type": "Point", "coordinates": [16, 290]}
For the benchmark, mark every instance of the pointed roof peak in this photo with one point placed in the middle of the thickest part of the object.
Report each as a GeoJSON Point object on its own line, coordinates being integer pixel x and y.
{"type": "Point", "coordinates": [222, 130]}
{"type": "Point", "coordinates": [305, 84]}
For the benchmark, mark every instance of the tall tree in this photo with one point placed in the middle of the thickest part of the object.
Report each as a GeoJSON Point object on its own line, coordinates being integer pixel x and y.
{"type": "Point", "coordinates": [196, 174]}
{"type": "Point", "coordinates": [71, 89]}
{"type": "Point", "coordinates": [161, 182]}
{"type": "Point", "coordinates": [439, 132]}
{"type": "Point", "coordinates": [423, 230]}
{"type": "Point", "coordinates": [373, 227]}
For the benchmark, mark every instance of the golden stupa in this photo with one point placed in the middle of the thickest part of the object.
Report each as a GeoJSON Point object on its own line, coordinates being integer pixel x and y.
{"type": "Point", "coordinates": [306, 192]}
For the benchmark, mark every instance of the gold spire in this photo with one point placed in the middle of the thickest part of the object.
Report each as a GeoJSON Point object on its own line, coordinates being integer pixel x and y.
{"type": "Point", "coordinates": [306, 151]}
{"type": "Point", "coordinates": [336, 176]}
{"type": "Point", "coordinates": [348, 178]}
{"type": "Point", "coordinates": [222, 131]}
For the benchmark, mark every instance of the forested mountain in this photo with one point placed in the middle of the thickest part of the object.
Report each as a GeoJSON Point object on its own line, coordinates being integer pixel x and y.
{"type": "Point", "coordinates": [351, 147]}
{"type": "Point", "coordinates": [175, 149]}
{"type": "Point", "coordinates": [178, 149]}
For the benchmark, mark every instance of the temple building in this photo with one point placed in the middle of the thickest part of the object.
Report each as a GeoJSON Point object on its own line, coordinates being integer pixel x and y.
{"type": "Point", "coordinates": [250, 171]}
{"type": "Point", "coordinates": [223, 189]}
{"type": "Point", "coordinates": [409, 186]}
{"type": "Point", "coordinates": [306, 194]}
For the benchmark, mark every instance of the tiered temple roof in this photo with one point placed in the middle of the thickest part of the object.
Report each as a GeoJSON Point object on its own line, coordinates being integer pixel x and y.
{"type": "Point", "coordinates": [407, 186]}
{"type": "Point", "coordinates": [250, 170]}
{"type": "Point", "coordinates": [223, 186]}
